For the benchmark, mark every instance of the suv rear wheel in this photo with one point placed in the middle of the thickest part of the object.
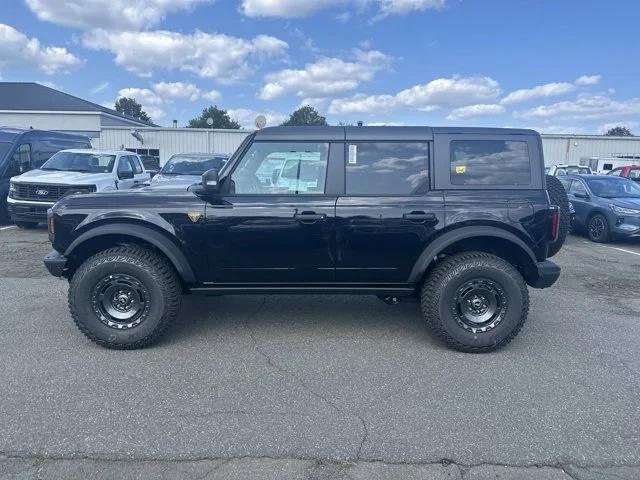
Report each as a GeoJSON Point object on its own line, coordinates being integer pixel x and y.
{"type": "Point", "coordinates": [475, 302]}
{"type": "Point", "coordinates": [124, 297]}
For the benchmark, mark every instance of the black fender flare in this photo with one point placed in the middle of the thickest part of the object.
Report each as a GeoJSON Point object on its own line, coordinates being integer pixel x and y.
{"type": "Point", "coordinates": [452, 236]}
{"type": "Point", "coordinates": [149, 235]}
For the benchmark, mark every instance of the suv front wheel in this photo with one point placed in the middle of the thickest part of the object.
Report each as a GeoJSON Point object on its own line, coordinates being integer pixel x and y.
{"type": "Point", "coordinates": [125, 297]}
{"type": "Point", "coordinates": [475, 301]}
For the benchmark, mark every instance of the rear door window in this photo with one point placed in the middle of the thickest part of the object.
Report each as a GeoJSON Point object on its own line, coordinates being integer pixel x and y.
{"type": "Point", "coordinates": [387, 168]}
{"type": "Point", "coordinates": [490, 162]}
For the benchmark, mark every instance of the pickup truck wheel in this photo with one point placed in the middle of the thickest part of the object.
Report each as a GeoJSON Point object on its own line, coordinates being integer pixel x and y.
{"type": "Point", "coordinates": [27, 225]}
{"type": "Point", "coordinates": [124, 297]}
{"type": "Point", "coordinates": [476, 302]}
{"type": "Point", "coordinates": [558, 196]}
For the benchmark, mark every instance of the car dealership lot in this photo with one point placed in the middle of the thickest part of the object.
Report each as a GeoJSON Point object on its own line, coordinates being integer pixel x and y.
{"type": "Point", "coordinates": [324, 387]}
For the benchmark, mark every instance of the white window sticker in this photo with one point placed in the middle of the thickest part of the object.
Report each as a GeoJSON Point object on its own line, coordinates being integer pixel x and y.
{"type": "Point", "coordinates": [353, 154]}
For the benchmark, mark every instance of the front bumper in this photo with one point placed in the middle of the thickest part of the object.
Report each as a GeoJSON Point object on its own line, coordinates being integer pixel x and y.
{"type": "Point", "coordinates": [26, 211]}
{"type": "Point", "coordinates": [547, 274]}
{"type": "Point", "coordinates": [56, 263]}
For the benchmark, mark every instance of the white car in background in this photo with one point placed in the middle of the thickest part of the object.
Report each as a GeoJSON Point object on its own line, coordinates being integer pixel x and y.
{"type": "Point", "coordinates": [562, 169]}
{"type": "Point", "coordinates": [71, 172]}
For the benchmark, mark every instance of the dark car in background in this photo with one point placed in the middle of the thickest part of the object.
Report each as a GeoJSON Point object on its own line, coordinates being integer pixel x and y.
{"type": "Point", "coordinates": [631, 172]}
{"type": "Point", "coordinates": [605, 206]}
{"type": "Point", "coordinates": [151, 164]}
{"type": "Point", "coordinates": [184, 169]}
{"type": "Point", "coordinates": [22, 150]}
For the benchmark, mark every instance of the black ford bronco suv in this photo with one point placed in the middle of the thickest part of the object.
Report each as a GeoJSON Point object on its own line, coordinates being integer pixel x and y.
{"type": "Point", "coordinates": [459, 219]}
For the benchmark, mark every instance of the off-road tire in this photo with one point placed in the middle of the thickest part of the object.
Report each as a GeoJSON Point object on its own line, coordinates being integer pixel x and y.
{"type": "Point", "coordinates": [154, 272]}
{"type": "Point", "coordinates": [558, 196]}
{"type": "Point", "coordinates": [26, 225]}
{"type": "Point", "coordinates": [439, 291]}
{"type": "Point", "coordinates": [603, 237]}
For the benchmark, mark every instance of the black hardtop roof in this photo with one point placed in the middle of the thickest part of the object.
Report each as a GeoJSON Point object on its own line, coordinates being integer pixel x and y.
{"type": "Point", "coordinates": [377, 133]}
{"type": "Point", "coordinates": [34, 96]}
{"type": "Point", "coordinates": [11, 134]}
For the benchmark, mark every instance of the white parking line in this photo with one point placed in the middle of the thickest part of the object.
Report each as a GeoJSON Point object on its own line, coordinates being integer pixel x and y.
{"type": "Point", "coordinates": [7, 228]}
{"type": "Point", "coordinates": [613, 248]}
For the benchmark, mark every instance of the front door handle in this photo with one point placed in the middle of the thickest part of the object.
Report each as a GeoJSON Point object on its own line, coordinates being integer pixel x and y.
{"type": "Point", "coordinates": [309, 217]}
{"type": "Point", "coordinates": [420, 217]}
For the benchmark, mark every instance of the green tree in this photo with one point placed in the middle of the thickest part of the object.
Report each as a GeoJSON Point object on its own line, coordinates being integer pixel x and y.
{"type": "Point", "coordinates": [130, 107]}
{"type": "Point", "coordinates": [220, 118]}
{"type": "Point", "coordinates": [305, 116]}
{"type": "Point", "coordinates": [619, 131]}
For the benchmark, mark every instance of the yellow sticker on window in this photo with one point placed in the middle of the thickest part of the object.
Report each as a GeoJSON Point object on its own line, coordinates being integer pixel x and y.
{"type": "Point", "coordinates": [461, 168]}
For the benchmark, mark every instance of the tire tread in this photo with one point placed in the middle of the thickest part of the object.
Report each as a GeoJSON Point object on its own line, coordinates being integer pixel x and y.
{"type": "Point", "coordinates": [158, 266]}
{"type": "Point", "coordinates": [431, 296]}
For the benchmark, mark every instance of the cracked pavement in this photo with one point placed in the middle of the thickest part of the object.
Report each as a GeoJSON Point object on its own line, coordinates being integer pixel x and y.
{"type": "Point", "coordinates": [323, 387]}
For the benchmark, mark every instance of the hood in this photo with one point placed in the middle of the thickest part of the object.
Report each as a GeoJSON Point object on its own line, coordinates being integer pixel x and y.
{"type": "Point", "coordinates": [173, 182]}
{"type": "Point", "coordinates": [53, 177]}
{"type": "Point", "coordinates": [625, 202]}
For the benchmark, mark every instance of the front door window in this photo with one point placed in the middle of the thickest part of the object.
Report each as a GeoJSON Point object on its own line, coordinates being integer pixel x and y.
{"type": "Point", "coordinates": [282, 169]}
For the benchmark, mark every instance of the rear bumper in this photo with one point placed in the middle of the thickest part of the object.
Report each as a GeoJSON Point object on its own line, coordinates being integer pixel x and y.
{"type": "Point", "coordinates": [548, 273]}
{"type": "Point", "coordinates": [56, 263]}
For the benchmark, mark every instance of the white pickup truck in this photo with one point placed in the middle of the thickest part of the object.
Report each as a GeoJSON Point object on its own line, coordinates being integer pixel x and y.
{"type": "Point", "coordinates": [71, 172]}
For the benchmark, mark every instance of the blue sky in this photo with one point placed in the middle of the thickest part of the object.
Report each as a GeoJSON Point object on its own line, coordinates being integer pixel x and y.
{"type": "Point", "coordinates": [557, 66]}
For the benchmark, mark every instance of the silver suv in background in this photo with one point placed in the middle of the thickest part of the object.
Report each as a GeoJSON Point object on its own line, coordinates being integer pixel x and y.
{"type": "Point", "coordinates": [70, 172]}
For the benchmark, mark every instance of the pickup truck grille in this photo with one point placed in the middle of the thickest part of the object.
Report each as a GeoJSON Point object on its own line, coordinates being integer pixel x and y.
{"type": "Point", "coordinates": [45, 193]}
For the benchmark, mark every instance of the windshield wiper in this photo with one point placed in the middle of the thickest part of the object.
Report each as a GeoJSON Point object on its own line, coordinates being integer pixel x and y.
{"type": "Point", "coordinates": [51, 168]}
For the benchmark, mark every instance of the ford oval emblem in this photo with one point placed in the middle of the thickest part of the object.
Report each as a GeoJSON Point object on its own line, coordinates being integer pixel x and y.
{"type": "Point", "coordinates": [42, 192]}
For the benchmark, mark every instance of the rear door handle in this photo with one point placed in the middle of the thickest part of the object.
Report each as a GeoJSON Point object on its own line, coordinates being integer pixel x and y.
{"type": "Point", "coordinates": [309, 217]}
{"type": "Point", "coordinates": [420, 217]}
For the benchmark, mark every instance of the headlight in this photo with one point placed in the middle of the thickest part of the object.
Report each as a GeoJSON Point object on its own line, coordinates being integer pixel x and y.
{"type": "Point", "coordinates": [80, 190]}
{"type": "Point", "coordinates": [12, 189]}
{"type": "Point", "coordinates": [624, 211]}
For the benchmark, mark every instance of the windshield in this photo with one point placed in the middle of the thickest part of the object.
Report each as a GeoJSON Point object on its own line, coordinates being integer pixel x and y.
{"type": "Point", "coordinates": [576, 170]}
{"type": "Point", "coordinates": [80, 162]}
{"type": "Point", "coordinates": [614, 188]}
{"type": "Point", "coordinates": [4, 148]}
{"type": "Point", "coordinates": [185, 165]}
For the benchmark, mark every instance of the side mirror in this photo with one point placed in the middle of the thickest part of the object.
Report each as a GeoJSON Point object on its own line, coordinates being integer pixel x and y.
{"type": "Point", "coordinates": [581, 195]}
{"type": "Point", "coordinates": [210, 181]}
{"type": "Point", "coordinates": [125, 174]}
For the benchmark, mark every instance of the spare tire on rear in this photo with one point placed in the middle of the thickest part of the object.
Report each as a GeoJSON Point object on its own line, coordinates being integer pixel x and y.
{"type": "Point", "coordinates": [558, 197]}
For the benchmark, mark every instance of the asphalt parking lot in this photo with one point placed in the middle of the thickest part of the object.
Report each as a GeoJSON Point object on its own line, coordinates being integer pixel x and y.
{"type": "Point", "coordinates": [324, 387]}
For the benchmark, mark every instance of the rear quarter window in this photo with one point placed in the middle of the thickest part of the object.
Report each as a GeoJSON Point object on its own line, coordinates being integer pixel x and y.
{"type": "Point", "coordinates": [490, 162]}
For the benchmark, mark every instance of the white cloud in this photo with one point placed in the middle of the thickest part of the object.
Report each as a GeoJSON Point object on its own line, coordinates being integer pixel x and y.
{"type": "Point", "coordinates": [585, 107]}
{"type": "Point", "coordinates": [588, 80]}
{"type": "Point", "coordinates": [183, 91]}
{"type": "Point", "coordinates": [151, 103]}
{"type": "Point", "coordinates": [18, 49]}
{"type": "Point", "coordinates": [479, 110]}
{"type": "Point", "coordinates": [305, 8]}
{"type": "Point", "coordinates": [210, 55]}
{"type": "Point", "coordinates": [247, 117]}
{"type": "Point", "coordinates": [403, 7]}
{"type": "Point", "coordinates": [107, 14]}
{"type": "Point", "coordinates": [546, 90]}
{"type": "Point", "coordinates": [286, 8]}
{"type": "Point", "coordinates": [327, 76]}
{"type": "Point", "coordinates": [439, 93]}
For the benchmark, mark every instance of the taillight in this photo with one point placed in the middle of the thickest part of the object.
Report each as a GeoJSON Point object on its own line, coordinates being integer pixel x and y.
{"type": "Point", "coordinates": [555, 223]}
{"type": "Point", "coordinates": [51, 225]}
